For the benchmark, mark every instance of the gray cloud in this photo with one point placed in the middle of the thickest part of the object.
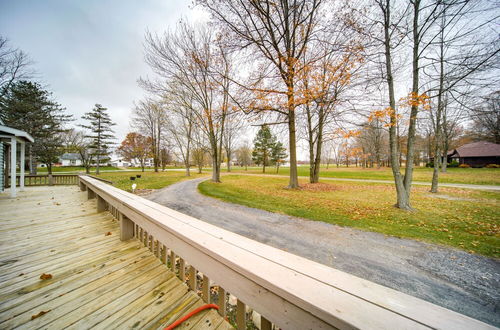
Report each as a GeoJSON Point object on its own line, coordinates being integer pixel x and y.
{"type": "Point", "coordinates": [90, 52]}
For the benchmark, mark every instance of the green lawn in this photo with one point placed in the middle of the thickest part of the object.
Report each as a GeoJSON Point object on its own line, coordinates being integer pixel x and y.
{"type": "Point", "coordinates": [470, 221]}
{"type": "Point", "coordinates": [454, 175]}
{"type": "Point", "coordinates": [148, 180]}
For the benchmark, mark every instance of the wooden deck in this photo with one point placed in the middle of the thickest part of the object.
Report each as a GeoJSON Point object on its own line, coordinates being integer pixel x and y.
{"type": "Point", "coordinates": [97, 280]}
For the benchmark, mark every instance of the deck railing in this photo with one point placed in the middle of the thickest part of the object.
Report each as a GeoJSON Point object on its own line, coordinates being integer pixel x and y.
{"type": "Point", "coordinates": [45, 180]}
{"type": "Point", "coordinates": [286, 290]}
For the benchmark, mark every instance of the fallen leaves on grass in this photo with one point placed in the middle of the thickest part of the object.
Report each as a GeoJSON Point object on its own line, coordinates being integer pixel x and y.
{"type": "Point", "coordinates": [39, 314]}
{"type": "Point", "coordinates": [45, 276]}
{"type": "Point", "coordinates": [318, 187]}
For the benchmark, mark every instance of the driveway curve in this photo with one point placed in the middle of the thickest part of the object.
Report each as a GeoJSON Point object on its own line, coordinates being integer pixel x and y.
{"type": "Point", "coordinates": [463, 282]}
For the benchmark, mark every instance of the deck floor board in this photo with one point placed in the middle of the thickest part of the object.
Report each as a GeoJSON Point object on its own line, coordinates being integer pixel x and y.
{"type": "Point", "coordinates": [97, 280]}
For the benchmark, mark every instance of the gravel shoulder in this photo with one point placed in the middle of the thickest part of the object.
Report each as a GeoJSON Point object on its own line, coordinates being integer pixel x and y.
{"type": "Point", "coordinates": [463, 282]}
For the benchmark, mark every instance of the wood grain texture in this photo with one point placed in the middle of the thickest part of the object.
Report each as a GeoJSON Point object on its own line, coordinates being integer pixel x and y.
{"type": "Point", "coordinates": [97, 280]}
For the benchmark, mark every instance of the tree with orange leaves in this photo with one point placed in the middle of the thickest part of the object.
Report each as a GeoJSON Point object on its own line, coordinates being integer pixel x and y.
{"type": "Point", "coordinates": [136, 147]}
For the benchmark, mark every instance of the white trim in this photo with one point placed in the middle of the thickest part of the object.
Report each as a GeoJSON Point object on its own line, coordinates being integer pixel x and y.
{"type": "Point", "coordinates": [16, 132]}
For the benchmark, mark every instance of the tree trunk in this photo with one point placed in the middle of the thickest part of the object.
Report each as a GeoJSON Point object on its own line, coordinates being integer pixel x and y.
{"type": "Point", "coordinates": [401, 196]}
{"type": "Point", "coordinates": [294, 180]}
{"type": "Point", "coordinates": [412, 128]}
{"type": "Point", "coordinates": [438, 129]}
{"type": "Point", "coordinates": [31, 157]}
{"type": "Point", "coordinates": [216, 169]}
{"type": "Point", "coordinates": [228, 161]}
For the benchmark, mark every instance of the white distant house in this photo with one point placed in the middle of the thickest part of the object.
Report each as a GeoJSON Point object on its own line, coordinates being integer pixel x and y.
{"type": "Point", "coordinates": [120, 162]}
{"type": "Point", "coordinates": [70, 159]}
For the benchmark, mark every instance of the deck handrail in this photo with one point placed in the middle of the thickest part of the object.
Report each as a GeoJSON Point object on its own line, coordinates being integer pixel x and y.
{"type": "Point", "coordinates": [100, 179]}
{"type": "Point", "coordinates": [287, 290]}
{"type": "Point", "coordinates": [45, 179]}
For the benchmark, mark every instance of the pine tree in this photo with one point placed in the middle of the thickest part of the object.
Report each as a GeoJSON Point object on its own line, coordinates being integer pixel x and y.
{"type": "Point", "coordinates": [27, 106]}
{"type": "Point", "coordinates": [263, 147]}
{"type": "Point", "coordinates": [101, 134]}
{"type": "Point", "coordinates": [278, 154]}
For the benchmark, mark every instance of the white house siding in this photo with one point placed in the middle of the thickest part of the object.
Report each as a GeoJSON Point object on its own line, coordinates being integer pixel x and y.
{"type": "Point", "coordinates": [1, 167]}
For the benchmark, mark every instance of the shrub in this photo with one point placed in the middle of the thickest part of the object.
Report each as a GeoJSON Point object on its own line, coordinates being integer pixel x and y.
{"type": "Point", "coordinates": [453, 163]}
{"type": "Point", "coordinates": [464, 166]}
{"type": "Point", "coordinates": [492, 166]}
{"type": "Point", "coordinates": [429, 164]}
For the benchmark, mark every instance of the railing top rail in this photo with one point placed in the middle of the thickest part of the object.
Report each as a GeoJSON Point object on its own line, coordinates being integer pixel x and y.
{"type": "Point", "coordinates": [100, 179]}
{"type": "Point", "coordinates": [43, 175]}
{"type": "Point", "coordinates": [331, 297]}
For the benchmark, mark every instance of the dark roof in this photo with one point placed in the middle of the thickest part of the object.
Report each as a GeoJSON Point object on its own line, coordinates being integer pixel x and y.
{"type": "Point", "coordinates": [70, 156]}
{"type": "Point", "coordinates": [478, 149]}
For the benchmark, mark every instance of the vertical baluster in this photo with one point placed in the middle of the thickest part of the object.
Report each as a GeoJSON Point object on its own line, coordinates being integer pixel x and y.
{"type": "Point", "coordinates": [164, 254]}
{"type": "Point", "coordinates": [192, 279]}
{"type": "Point", "coordinates": [265, 324]}
{"type": "Point", "coordinates": [205, 289]}
{"type": "Point", "coordinates": [182, 270]}
{"type": "Point", "coordinates": [151, 243]}
{"type": "Point", "coordinates": [222, 301]}
{"type": "Point", "coordinates": [240, 315]}
{"type": "Point", "coordinates": [172, 260]}
{"type": "Point", "coordinates": [157, 249]}
{"type": "Point", "coordinates": [146, 237]}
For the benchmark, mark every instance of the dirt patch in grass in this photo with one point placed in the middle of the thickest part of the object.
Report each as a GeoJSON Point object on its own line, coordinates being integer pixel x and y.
{"type": "Point", "coordinates": [144, 192]}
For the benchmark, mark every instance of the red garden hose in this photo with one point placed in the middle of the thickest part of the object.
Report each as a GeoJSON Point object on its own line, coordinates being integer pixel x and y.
{"type": "Point", "coordinates": [187, 316]}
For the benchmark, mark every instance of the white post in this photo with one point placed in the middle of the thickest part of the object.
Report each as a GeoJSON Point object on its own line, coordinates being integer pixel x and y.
{"type": "Point", "coordinates": [13, 154]}
{"type": "Point", "coordinates": [21, 165]}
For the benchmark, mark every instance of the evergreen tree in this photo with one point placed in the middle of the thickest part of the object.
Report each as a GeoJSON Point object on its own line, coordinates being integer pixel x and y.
{"type": "Point", "coordinates": [278, 154]}
{"type": "Point", "coordinates": [101, 134]}
{"type": "Point", "coordinates": [27, 106]}
{"type": "Point", "coordinates": [264, 143]}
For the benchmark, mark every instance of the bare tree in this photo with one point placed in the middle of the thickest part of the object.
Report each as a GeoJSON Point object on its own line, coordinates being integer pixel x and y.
{"type": "Point", "coordinates": [197, 62]}
{"type": "Point", "coordinates": [149, 118]}
{"type": "Point", "coordinates": [232, 130]}
{"type": "Point", "coordinates": [279, 32]}
{"type": "Point", "coordinates": [14, 65]}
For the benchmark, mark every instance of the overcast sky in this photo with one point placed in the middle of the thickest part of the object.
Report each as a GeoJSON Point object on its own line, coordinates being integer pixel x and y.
{"type": "Point", "coordinates": [90, 51]}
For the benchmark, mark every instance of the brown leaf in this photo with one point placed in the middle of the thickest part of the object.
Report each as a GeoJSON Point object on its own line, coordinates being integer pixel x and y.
{"type": "Point", "coordinates": [45, 276]}
{"type": "Point", "coordinates": [108, 233]}
{"type": "Point", "coordinates": [21, 274]}
{"type": "Point", "coordinates": [39, 314]}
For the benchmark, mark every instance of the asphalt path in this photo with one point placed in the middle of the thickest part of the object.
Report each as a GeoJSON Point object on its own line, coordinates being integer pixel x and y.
{"type": "Point", "coordinates": [463, 282]}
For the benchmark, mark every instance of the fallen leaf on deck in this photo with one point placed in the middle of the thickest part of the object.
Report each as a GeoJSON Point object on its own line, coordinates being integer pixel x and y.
{"type": "Point", "coordinates": [45, 276]}
{"type": "Point", "coordinates": [21, 274]}
{"type": "Point", "coordinates": [108, 233]}
{"type": "Point", "coordinates": [39, 314]}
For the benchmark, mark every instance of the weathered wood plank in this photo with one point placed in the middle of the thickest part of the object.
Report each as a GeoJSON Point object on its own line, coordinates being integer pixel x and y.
{"type": "Point", "coordinates": [97, 279]}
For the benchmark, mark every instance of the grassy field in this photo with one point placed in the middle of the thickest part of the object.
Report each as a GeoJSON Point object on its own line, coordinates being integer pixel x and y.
{"type": "Point", "coordinates": [463, 219]}
{"type": "Point", "coordinates": [454, 175]}
{"type": "Point", "coordinates": [148, 180]}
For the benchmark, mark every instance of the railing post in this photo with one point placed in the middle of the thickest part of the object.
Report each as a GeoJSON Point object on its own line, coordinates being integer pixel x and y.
{"type": "Point", "coordinates": [126, 228]}
{"type": "Point", "coordinates": [90, 193]}
{"type": "Point", "coordinates": [101, 204]}
{"type": "Point", "coordinates": [83, 187]}
{"type": "Point", "coordinates": [51, 180]}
